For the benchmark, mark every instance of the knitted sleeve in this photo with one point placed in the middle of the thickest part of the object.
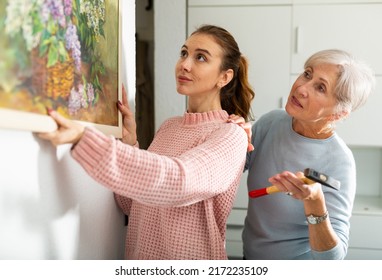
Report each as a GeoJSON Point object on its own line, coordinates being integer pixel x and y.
{"type": "Point", "coordinates": [124, 203]}
{"type": "Point", "coordinates": [198, 174]}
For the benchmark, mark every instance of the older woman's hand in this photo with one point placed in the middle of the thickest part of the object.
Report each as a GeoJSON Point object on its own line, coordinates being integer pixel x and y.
{"type": "Point", "coordinates": [292, 184]}
{"type": "Point", "coordinates": [247, 126]}
{"type": "Point", "coordinates": [67, 132]}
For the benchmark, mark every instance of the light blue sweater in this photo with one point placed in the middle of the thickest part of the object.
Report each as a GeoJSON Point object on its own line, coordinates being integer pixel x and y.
{"type": "Point", "coordinates": [275, 226]}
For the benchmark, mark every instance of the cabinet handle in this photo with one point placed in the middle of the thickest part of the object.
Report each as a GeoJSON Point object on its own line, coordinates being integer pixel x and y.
{"type": "Point", "coordinates": [298, 40]}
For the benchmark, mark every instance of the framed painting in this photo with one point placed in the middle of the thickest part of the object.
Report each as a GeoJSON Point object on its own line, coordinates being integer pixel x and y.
{"type": "Point", "coordinates": [63, 55]}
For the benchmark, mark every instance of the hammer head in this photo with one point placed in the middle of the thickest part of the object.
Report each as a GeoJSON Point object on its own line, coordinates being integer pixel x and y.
{"type": "Point", "coordinates": [322, 178]}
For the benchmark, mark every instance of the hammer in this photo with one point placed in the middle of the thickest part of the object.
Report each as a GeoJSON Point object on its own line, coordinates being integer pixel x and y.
{"type": "Point", "coordinates": [311, 176]}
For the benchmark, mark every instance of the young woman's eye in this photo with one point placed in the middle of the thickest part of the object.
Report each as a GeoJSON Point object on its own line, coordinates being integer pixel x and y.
{"type": "Point", "coordinates": [201, 57]}
{"type": "Point", "coordinates": [183, 53]}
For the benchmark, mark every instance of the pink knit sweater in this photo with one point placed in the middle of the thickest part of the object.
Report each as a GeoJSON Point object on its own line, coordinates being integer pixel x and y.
{"type": "Point", "coordinates": [178, 194]}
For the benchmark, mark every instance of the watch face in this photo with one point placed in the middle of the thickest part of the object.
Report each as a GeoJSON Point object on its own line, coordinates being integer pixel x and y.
{"type": "Point", "coordinates": [312, 220]}
{"type": "Point", "coordinates": [316, 220]}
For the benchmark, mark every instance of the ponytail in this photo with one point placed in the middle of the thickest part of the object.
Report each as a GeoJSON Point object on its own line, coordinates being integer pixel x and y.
{"type": "Point", "coordinates": [236, 97]}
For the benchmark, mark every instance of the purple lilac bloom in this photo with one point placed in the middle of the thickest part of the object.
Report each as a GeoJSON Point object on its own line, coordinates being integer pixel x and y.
{"type": "Point", "coordinates": [80, 98]}
{"type": "Point", "coordinates": [74, 103]}
{"type": "Point", "coordinates": [73, 44]}
{"type": "Point", "coordinates": [90, 93]}
{"type": "Point", "coordinates": [44, 12]}
{"type": "Point", "coordinates": [68, 7]}
{"type": "Point", "coordinates": [56, 9]}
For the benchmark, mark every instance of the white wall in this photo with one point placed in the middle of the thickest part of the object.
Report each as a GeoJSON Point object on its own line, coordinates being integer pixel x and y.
{"type": "Point", "coordinates": [49, 207]}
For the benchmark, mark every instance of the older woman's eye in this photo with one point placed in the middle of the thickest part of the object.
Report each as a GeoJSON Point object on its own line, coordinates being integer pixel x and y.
{"type": "Point", "coordinates": [322, 88]}
{"type": "Point", "coordinates": [306, 74]}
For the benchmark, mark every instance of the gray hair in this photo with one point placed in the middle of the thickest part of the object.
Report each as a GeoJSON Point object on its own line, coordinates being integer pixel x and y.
{"type": "Point", "coordinates": [356, 80]}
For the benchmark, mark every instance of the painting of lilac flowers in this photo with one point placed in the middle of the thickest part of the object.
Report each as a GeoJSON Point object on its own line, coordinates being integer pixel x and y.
{"type": "Point", "coordinates": [63, 55]}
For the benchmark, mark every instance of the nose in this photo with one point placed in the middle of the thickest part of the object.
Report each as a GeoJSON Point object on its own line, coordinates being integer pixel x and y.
{"type": "Point", "coordinates": [302, 89]}
{"type": "Point", "coordinates": [185, 64]}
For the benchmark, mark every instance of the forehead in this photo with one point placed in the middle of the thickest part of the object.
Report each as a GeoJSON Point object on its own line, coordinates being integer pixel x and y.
{"type": "Point", "coordinates": [206, 42]}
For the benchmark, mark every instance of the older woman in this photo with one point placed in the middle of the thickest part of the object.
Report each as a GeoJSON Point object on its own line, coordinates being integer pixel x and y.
{"type": "Point", "coordinates": [301, 136]}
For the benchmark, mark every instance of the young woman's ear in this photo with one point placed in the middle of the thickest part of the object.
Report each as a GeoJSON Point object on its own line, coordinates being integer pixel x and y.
{"type": "Point", "coordinates": [227, 76]}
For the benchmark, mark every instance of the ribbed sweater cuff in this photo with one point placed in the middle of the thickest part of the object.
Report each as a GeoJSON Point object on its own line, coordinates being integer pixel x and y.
{"type": "Point", "coordinates": [89, 150]}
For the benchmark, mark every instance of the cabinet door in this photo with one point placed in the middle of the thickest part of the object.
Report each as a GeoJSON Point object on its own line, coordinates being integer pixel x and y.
{"type": "Point", "coordinates": [362, 128]}
{"type": "Point", "coordinates": [263, 35]}
{"type": "Point", "coordinates": [353, 27]}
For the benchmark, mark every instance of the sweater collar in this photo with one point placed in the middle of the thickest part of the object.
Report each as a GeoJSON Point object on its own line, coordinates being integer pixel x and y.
{"type": "Point", "coordinates": [211, 116]}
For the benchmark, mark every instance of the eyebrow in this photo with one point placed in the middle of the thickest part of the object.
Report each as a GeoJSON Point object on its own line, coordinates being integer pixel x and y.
{"type": "Point", "coordinates": [199, 49]}
{"type": "Point", "coordinates": [325, 81]}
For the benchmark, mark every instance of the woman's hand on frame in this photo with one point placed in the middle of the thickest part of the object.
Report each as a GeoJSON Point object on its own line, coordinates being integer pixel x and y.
{"type": "Point", "coordinates": [129, 134]}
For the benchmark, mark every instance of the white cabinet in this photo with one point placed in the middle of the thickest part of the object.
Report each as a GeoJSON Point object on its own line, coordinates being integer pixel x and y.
{"type": "Point", "coordinates": [356, 28]}
{"type": "Point", "coordinates": [366, 229]}
{"type": "Point", "coordinates": [235, 225]}
{"type": "Point", "coordinates": [361, 128]}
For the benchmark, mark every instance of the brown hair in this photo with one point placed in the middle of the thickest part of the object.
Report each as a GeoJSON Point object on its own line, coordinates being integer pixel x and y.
{"type": "Point", "coordinates": [237, 95]}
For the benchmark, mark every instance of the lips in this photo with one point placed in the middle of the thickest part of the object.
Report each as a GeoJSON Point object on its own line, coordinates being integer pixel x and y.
{"type": "Point", "coordinates": [295, 101]}
{"type": "Point", "coordinates": [183, 79]}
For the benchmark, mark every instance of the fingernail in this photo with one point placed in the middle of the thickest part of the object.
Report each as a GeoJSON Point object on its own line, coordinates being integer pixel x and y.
{"type": "Point", "coordinates": [48, 110]}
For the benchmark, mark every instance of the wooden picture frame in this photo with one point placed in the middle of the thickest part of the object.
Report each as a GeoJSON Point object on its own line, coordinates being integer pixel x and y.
{"type": "Point", "coordinates": [61, 55]}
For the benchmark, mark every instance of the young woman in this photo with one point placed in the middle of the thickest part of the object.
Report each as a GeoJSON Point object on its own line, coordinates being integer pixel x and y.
{"type": "Point", "coordinates": [179, 192]}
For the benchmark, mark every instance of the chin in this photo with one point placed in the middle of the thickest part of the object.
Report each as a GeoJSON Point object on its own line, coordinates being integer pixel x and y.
{"type": "Point", "coordinates": [181, 92]}
{"type": "Point", "coordinates": [289, 109]}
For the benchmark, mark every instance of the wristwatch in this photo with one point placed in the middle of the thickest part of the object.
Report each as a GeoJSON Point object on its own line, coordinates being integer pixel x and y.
{"type": "Point", "coordinates": [314, 220]}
